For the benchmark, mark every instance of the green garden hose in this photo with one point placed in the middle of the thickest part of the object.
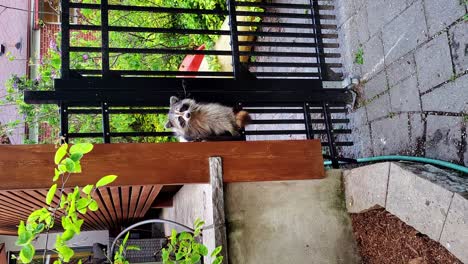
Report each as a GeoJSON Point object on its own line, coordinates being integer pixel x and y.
{"type": "Point", "coordinates": [440, 163]}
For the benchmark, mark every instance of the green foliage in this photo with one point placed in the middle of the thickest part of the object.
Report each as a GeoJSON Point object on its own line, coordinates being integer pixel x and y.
{"type": "Point", "coordinates": [105, 180]}
{"type": "Point", "coordinates": [119, 257]}
{"type": "Point", "coordinates": [71, 205]}
{"type": "Point", "coordinates": [184, 247]}
{"type": "Point", "coordinates": [359, 56]}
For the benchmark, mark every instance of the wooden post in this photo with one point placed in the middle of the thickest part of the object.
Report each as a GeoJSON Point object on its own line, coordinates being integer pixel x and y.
{"type": "Point", "coordinates": [219, 220]}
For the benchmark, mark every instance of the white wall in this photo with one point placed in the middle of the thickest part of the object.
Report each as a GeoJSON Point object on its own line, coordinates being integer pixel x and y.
{"type": "Point", "coordinates": [85, 239]}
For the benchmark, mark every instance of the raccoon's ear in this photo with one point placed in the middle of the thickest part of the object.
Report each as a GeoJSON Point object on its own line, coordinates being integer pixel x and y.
{"type": "Point", "coordinates": [173, 100]}
{"type": "Point", "coordinates": [168, 124]}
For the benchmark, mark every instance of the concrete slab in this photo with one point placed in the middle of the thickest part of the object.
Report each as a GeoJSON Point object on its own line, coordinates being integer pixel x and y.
{"type": "Point", "coordinates": [401, 69]}
{"type": "Point", "coordinates": [433, 63]}
{"type": "Point", "coordinates": [417, 127]}
{"type": "Point", "coordinates": [349, 43]}
{"type": "Point", "coordinates": [344, 10]}
{"type": "Point", "coordinates": [443, 137]}
{"type": "Point", "coordinates": [440, 14]}
{"type": "Point", "coordinates": [404, 97]}
{"type": "Point", "coordinates": [376, 85]}
{"type": "Point", "coordinates": [458, 35]}
{"type": "Point", "coordinates": [358, 117]}
{"type": "Point", "coordinates": [366, 187]}
{"type": "Point", "coordinates": [382, 12]}
{"type": "Point", "coordinates": [373, 56]}
{"type": "Point", "coordinates": [379, 107]}
{"type": "Point", "coordinates": [448, 98]}
{"type": "Point", "coordinates": [308, 216]}
{"type": "Point", "coordinates": [418, 202]}
{"type": "Point", "coordinates": [404, 33]}
{"type": "Point", "coordinates": [362, 147]}
{"type": "Point", "coordinates": [455, 234]}
{"type": "Point", "coordinates": [362, 25]}
{"type": "Point", "coordinates": [390, 136]}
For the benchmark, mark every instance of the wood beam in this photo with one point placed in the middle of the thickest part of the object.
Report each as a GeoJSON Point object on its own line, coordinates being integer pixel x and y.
{"type": "Point", "coordinates": [31, 166]}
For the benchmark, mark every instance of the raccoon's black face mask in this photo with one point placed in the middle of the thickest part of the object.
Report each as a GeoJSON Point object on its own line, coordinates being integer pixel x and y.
{"type": "Point", "coordinates": [179, 113]}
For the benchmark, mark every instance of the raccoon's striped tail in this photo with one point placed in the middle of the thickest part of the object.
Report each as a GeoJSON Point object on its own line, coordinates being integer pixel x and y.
{"type": "Point", "coordinates": [243, 119]}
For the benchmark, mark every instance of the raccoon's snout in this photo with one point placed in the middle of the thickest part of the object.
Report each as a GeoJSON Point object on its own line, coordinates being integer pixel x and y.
{"type": "Point", "coordinates": [187, 115]}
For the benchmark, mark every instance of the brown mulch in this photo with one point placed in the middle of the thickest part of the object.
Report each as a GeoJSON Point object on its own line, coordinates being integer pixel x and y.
{"type": "Point", "coordinates": [383, 238]}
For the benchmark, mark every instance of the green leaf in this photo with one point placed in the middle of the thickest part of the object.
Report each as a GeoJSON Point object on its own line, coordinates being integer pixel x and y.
{"type": "Point", "coordinates": [65, 252]}
{"type": "Point", "coordinates": [58, 241]}
{"type": "Point", "coordinates": [27, 253]}
{"type": "Point", "coordinates": [78, 225]}
{"type": "Point", "coordinates": [185, 236]}
{"type": "Point", "coordinates": [50, 194]}
{"type": "Point", "coordinates": [216, 251]}
{"type": "Point", "coordinates": [77, 167]}
{"type": "Point", "coordinates": [76, 192]}
{"type": "Point", "coordinates": [21, 228]}
{"type": "Point", "coordinates": [82, 203]}
{"type": "Point", "coordinates": [57, 174]}
{"type": "Point", "coordinates": [87, 189]}
{"type": "Point", "coordinates": [62, 168]}
{"type": "Point", "coordinates": [63, 201]}
{"type": "Point", "coordinates": [106, 180]}
{"type": "Point", "coordinates": [198, 223]}
{"type": "Point", "coordinates": [40, 227]}
{"type": "Point", "coordinates": [66, 223]}
{"type": "Point", "coordinates": [203, 250]}
{"type": "Point", "coordinates": [124, 242]}
{"type": "Point", "coordinates": [93, 206]}
{"type": "Point", "coordinates": [82, 148]}
{"type": "Point", "coordinates": [61, 152]}
{"type": "Point", "coordinates": [24, 238]}
{"type": "Point", "coordinates": [68, 234]}
{"type": "Point", "coordinates": [165, 255]}
{"type": "Point", "coordinates": [173, 237]}
{"type": "Point", "coordinates": [70, 165]}
{"type": "Point", "coordinates": [76, 156]}
{"type": "Point", "coordinates": [218, 260]}
{"type": "Point", "coordinates": [195, 258]}
{"type": "Point", "coordinates": [179, 255]}
{"type": "Point", "coordinates": [82, 210]}
{"type": "Point", "coordinates": [49, 221]}
{"type": "Point", "coordinates": [136, 248]}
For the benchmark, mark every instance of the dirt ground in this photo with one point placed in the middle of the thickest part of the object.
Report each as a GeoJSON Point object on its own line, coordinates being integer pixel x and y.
{"type": "Point", "coordinates": [383, 238]}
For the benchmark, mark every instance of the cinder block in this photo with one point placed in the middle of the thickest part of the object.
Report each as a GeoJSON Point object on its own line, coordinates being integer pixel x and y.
{"type": "Point", "coordinates": [366, 187]}
{"type": "Point", "coordinates": [455, 234]}
{"type": "Point", "coordinates": [418, 202]}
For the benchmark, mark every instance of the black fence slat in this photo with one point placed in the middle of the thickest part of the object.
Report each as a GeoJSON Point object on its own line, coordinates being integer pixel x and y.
{"type": "Point", "coordinates": [153, 9]}
{"type": "Point", "coordinates": [234, 39]}
{"type": "Point", "coordinates": [65, 40]}
{"type": "Point", "coordinates": [259, 43]}
{"type": "Point", "coordinates": [105, 38]}
{"type": "Point", "coordinates": [291, 64]}
{"type": "Point", "coordinates": [283, 25]}
{"type": "Point", "coordinates": [318, 39]}
{"type": "Point", "coordinates": [106, 134]}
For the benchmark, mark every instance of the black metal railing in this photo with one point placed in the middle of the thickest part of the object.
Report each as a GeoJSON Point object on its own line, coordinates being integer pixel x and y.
{"type": "Point", "coordinates": [279, 70]}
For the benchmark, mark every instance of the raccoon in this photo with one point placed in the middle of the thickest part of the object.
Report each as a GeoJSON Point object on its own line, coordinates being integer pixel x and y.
{"type": "Point", "coordinates": [192, 121]}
